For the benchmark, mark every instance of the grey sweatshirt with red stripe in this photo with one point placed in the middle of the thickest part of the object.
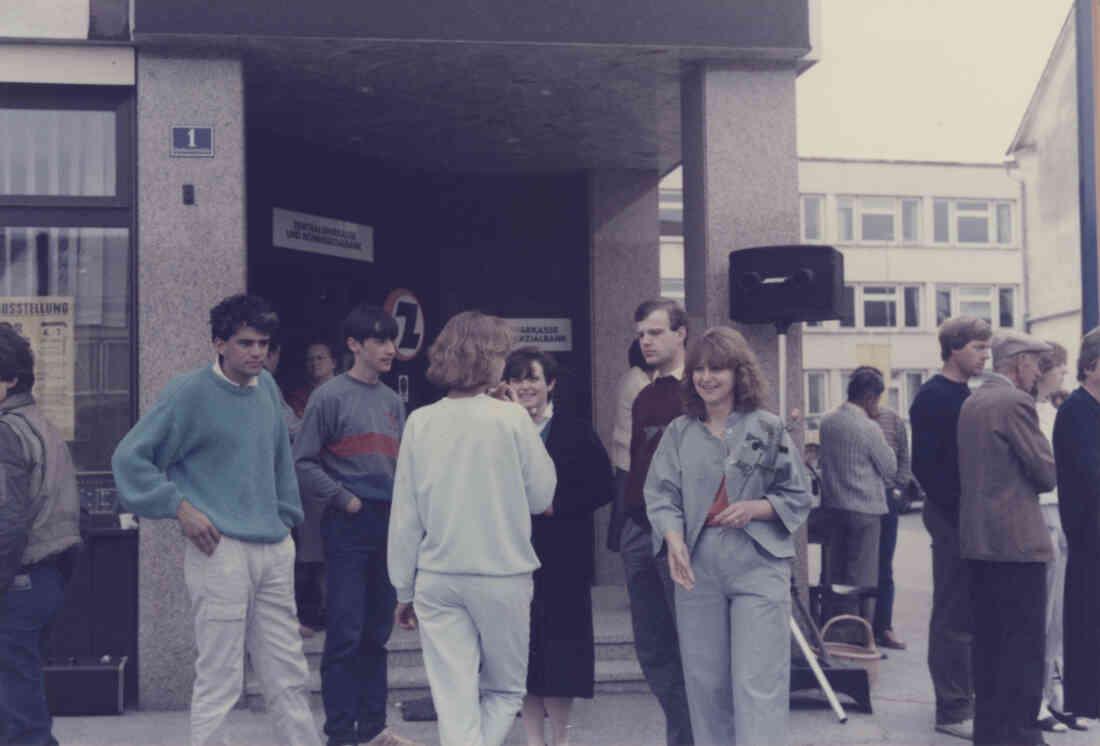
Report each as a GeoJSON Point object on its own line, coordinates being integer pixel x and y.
{"type": "Point", "coordinates": [347, 445]}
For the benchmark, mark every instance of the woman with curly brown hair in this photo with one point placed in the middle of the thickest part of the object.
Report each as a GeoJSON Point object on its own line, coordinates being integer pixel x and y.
{"type": "Point", "coordinates": [471, 470]}
{"type": "Point", "coordinates": [725, 492]}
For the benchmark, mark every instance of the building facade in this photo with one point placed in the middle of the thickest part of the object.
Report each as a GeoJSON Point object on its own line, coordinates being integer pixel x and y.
{"type": "Point", "coordinates": [922, 241]}
{"type": "Point", "coordinates": [158, 155]}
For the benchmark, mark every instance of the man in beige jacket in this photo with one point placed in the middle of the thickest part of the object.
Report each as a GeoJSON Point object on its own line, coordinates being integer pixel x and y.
{"type": "Point", "coordinates": [1004, 463]}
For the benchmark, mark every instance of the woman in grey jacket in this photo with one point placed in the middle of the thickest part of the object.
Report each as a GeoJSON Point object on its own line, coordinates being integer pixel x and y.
{"type": "Point", "coordinates": [725, 492]}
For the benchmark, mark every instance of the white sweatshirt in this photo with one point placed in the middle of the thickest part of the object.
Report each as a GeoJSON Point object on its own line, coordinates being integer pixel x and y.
{"type": "Point", "coordinates": [470, 473]}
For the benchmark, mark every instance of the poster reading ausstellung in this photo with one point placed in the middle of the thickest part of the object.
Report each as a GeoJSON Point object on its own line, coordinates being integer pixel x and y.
{"type": "Point", "coordinates": [47, 322]}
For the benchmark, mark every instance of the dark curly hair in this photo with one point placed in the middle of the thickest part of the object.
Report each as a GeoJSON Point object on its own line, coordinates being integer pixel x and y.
{"type": "Point", "coordinates": [16, 359]}
{"type": "Point", "coordinates": [724, 348]}
{"type": "Point", "coordinates": [236, 311]}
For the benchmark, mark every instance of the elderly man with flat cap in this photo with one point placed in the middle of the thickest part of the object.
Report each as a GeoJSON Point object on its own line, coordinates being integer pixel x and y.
{"type": "Point", "coordinates": [1004, 463]}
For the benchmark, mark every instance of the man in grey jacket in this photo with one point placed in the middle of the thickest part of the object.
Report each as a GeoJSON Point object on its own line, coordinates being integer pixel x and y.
{"type": "Point", "coordinates": [1004, 463]}
{"type": "Point", "coordinates": [856, 464]}
{"type": "Point", "coordinates": [39, 526]}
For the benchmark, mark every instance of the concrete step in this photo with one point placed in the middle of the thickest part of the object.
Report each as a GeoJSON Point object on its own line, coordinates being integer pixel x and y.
{"type": "Point", "coordinates": [617, 670]}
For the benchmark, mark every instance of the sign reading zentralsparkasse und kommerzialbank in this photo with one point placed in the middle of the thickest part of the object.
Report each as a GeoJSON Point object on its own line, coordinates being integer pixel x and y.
{"type": "Point", "coordinates": [321, 235]}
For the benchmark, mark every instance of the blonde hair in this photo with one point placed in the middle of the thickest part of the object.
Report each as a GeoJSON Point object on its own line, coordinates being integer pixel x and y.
{"type": "Point", "coordinates": [467, 353]}
{"type": "Point", "coordinates": [724, 348]}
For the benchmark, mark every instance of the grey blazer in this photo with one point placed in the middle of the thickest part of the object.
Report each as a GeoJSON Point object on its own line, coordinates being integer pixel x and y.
{"type": "Point", "coordinates": [756, 457]}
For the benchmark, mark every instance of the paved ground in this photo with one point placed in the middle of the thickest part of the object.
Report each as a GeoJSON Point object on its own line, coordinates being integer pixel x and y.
{"type": "Point", "coordinates": [901, 694]}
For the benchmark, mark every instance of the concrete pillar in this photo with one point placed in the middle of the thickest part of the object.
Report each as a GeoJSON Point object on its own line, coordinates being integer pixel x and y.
{"type": "Point", "coordinates": [740, 190]}
{"type": "Point", "coordinates": [189, 257]}
{"type": "Point", "coordinates": [625, 259]}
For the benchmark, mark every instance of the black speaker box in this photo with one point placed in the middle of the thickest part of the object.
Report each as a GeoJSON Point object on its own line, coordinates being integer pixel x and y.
{"type": "Point", "coordinates": [784, 284]}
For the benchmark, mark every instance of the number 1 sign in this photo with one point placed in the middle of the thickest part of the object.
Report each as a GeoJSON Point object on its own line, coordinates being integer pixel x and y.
{"type": "Point", "coordinates": [190, 141]}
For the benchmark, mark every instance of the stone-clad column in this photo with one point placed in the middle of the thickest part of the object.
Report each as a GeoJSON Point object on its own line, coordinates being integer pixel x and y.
{"type": "Point", "coordinates": [625, 270]}
{"type": "Point", "coordinates": [189, 257]}
{"type": "Point", "coordinates": [740, 190]}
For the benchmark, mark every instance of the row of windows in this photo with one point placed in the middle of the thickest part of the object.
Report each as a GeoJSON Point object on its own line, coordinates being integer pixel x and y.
{"type": "Point", "coordinates": [826, 390]}
{"type": "Point", "coordinates": [874, 306]}
{"type": "Point", "coordinates": [898, 220]}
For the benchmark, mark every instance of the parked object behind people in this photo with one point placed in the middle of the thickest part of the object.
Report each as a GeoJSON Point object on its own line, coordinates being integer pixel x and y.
{"type": "Point", "coordinates": [1052, 372]}
{"type": "Point", "coordinates": [1076, 445]}
{"type": "Point", "coordinates": [856, 465]}
{"type": "Point", "coordinates": [1004, 463]}
{"type": "Point", "coordinates": [39, 532]}
{"type": "Point", "coordinates": [725, 492]}
{"type": "Point", "coordinates": [934, 417]}
{"type": "Point", "coordinates": [661, 325]}
{"type": "Point", "coordinates": [345, 456]}
{"type": "Point", "coordinates": [214, 454]}
{"type": "Point", "coordinates": [562, 661]}
{"type": "Point", "coordinates": [471, 472]}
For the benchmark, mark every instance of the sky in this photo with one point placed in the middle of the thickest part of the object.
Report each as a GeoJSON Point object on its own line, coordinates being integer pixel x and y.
{"type": "Point", "coordinates": [924, 79]}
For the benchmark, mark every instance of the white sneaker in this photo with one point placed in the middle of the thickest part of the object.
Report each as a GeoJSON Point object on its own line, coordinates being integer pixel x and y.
{"type": "Point", "coordinates": [962, 729]}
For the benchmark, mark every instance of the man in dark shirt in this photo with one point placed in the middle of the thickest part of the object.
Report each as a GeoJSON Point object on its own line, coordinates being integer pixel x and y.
{"type": "Point", "coordinates": [934, 416]}
{"type": "Point", "coordinates": [662, 331]}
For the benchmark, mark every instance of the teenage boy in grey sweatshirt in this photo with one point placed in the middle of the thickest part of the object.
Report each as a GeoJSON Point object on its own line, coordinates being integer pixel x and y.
{"type": "Point", "coordinates": [345, 455]}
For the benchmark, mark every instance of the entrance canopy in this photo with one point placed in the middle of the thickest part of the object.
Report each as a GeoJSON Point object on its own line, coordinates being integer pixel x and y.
{"type": "Point", "coordinates": [478, 85]}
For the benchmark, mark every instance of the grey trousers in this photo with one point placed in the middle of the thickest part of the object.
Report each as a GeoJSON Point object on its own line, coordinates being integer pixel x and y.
{"type": "Point", "coordinates": [950, 629]}
{"type": "Point", "coordinates": [853, 558]}
{"type": "Point", "coordinates": [652, 615]}
{"type": "Point", "coordinates": [1056, 589]}
{"type": "Point", "coordinates": [735, 640]}
{"type": "Point", "coordinates": [469, 622]}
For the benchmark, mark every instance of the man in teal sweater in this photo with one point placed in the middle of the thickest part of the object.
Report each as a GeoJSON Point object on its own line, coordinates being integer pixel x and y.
{"type": "Point", "coordinates": [214, 454]}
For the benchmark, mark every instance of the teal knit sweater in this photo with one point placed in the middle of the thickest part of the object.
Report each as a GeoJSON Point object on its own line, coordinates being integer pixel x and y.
{"type": "Point", "coordinates": [223, 447]}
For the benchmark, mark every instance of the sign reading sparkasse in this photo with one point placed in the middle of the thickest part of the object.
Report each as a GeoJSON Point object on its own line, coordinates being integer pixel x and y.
{"type": "Point", "coordinates": [549, 335]}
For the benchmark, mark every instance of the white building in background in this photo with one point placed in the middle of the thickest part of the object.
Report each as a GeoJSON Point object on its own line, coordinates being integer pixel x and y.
{"type": "Point", "coordinates": [922, 241]}
{"type": "Point", "coordinates": [1046, 149]}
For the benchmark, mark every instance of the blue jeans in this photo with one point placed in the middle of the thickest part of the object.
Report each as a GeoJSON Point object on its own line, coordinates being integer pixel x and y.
{"type": "Point", "coordinates": [887, 543]}
{"type": "Point", "coordinates": [653, 617]}
{"type": "Point", "coordinates": [26, 609]}
{"type": "Point", "coordinates": [360, 618]}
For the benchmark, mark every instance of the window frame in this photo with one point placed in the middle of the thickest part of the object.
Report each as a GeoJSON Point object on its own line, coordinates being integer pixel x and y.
{"type": "Point", "coordinates": [820, 238]}
{"type": "Point", "coordinates": [993, 218]}
{"type": "Point", "coordinates": [994, 295]}
{"type": "Point", "coordinates": [70, 211]}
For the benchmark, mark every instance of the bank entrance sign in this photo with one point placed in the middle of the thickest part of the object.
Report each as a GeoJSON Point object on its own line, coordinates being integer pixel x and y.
{"type": "Point", "coordinates": [321, 235]}
{"type": "Point", "coordinates": [549, 335]}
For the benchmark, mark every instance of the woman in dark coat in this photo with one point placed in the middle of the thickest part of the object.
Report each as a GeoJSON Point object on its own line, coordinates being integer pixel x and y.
{"type": "Point", "coordinates": [562, 660]}
{"type": "Point", "coordinates": [1077, 455]}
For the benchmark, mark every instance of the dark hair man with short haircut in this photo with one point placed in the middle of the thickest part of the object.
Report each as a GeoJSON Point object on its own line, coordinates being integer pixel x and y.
{"type": "Point", "coordinates": [39, 529]}
{"type": "Point", "coordinates": [856, 465]}
{"type": "Point", "coordinates": [214, 454]}
{"type": "Point", "coordinates": [661, 326]}
{"type": "Point", "coordinates": [346, 455]}
{"type": "Point", "coordinates": [934, 418]}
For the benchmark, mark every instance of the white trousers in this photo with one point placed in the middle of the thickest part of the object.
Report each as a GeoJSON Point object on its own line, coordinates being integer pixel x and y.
{"type": "Point", "coordinates": [467, 623]}
{"type": "Point", "coordinates": [242, 598]}
{"type": "Point", "coordinates": [1056, 589]}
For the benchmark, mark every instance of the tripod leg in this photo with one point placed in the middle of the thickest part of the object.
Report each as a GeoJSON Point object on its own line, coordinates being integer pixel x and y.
{"type": "Point", "coordinates": [818, 673]}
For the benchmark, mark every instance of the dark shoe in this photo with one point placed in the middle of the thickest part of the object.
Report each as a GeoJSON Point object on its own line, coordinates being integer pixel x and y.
{"type": "Point", "coordinates": [1069, 719]}
{"type": "Point", "coordinates": [963, 729]}
{"type": "Point", "coordinates": [1051, 725]}
{"type": "Point", "coordinates": [887, 639]}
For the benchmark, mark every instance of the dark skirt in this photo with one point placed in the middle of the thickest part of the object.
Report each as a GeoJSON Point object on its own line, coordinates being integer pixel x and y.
{"type": "Point", "coordinates": [563, 652]}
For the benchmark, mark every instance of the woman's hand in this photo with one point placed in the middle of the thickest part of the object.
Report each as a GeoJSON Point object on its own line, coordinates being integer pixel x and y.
{"type": "Point", "coordinates": [404, 616]}
{"type": "Point", "coordinates": [679, 560]}
{"type": "Point", "coordinates": [738, 514]}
